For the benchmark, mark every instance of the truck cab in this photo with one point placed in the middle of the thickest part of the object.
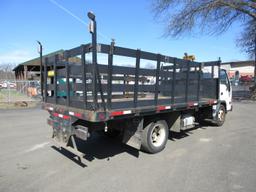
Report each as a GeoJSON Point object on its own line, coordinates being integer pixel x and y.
{"type": "Point", "coordinates": [225, 99]}
{"type": "Point", "coordinates": [225, 90]}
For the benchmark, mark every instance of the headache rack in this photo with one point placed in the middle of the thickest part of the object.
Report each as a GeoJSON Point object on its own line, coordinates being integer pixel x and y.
{"type": "Point", "coordinates": [93, 80]}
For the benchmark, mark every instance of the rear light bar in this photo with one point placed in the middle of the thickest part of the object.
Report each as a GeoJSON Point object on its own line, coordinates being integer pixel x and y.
{"type": "Point", "coordinates": [71, 113]}
{"type": "Point", "coordinates": [79, 115]}
{"type": "Point", "coordinates": [61, 116]}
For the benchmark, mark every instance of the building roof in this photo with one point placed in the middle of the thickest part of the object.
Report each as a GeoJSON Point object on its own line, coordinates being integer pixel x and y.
{"type": "Point", "coordinates": [240, 63]}
{"type": "Point", "coordinates": [35, 62]}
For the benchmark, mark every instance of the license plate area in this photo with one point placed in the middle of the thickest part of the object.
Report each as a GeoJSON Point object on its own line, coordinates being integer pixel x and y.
{"type": "Point", "coordinates": [62, 128]}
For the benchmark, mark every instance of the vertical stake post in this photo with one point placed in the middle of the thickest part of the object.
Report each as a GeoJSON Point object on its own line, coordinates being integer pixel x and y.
{"type": "Point", "coordinates": [93, 31]}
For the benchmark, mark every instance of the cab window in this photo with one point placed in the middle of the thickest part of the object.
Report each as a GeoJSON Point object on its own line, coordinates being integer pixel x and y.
{"type": "Point", "coordinates": [224, 78]}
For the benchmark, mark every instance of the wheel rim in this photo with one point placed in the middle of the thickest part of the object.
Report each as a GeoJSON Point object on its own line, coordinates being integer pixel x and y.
{"type": "Point", "coordinates": [221, 115]}
{"type": "Point", "coordinates": [157, 135]}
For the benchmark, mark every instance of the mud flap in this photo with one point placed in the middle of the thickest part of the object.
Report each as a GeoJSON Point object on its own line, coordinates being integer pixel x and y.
{"type": "Point", "coordinates": [174, 123]}
{"type": "Point", "coordinates": [133, 133]}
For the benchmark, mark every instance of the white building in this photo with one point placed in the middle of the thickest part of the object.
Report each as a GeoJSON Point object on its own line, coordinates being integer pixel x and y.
{"type": "Point", "coordinates": [243, 68]}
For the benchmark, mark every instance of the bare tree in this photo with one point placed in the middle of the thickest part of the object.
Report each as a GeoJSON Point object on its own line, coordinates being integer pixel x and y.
{"type": "Point", "coordinates": [6, 72]}
{"type": "Point", "coordinates": [210, 17]}
{"type": "Point", "coordinates": [247, 41]}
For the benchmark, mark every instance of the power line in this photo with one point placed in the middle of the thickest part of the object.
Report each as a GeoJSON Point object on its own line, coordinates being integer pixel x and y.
{"type": "Point", "coordinates": [76, 17]}
{"type": "Point", "coordinates": [68, 12]}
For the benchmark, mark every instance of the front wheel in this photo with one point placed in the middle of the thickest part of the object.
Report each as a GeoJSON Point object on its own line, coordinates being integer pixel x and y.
{"type": "Point", "coordinates": [155, 136]}
{"type": "Point", "coordinates": [221, 116]}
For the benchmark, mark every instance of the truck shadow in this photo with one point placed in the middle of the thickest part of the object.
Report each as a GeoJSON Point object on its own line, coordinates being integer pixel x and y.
{"type": "Point", "coordinates": [99, 147]}
{"type": "Point", "coordinates": [69, 155]}
{"type": "Point", "coordinates": [173, 136]}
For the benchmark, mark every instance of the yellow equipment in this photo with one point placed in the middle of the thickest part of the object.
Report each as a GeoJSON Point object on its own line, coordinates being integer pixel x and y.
{"type": "Point", "coordinates": [51, 73]}
{"type": "Point", "coordinates": [189, 57]}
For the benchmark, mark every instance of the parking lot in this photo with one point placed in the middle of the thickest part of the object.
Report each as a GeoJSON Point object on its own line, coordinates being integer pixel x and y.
{"type": "Point", "coordinates": [204, 159]}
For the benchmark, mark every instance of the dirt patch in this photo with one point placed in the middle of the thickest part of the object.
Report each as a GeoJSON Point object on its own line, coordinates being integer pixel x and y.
{"type": "Point", "coordinates": [18, 105]}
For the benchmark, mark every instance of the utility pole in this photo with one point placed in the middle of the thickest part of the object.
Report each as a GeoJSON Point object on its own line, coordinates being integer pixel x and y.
{"type": "Point", "coordinates": [40, 51]}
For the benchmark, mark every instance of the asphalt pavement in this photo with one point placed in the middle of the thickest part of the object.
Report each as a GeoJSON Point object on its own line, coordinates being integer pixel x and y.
{"type": "Point", "coordinates": [212, 159]}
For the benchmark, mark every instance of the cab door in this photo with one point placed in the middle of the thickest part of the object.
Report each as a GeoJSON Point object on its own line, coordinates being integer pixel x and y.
{"type": "Point", "coordinates": [225, 93]}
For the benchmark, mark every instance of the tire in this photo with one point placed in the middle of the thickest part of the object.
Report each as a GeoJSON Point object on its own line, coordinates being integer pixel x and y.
{"type": "Point", "coordinates": [221, 116]}
{"type": "Point", "coordinates": [155, 136]}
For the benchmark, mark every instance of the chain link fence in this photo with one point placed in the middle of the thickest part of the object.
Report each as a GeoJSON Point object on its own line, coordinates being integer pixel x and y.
{"type": "Point", "coordinates": [19, 93]}
{"type": "Point", "coordinates": [241, 90]}
{"type": "Point", "coordinates": [28, 93]}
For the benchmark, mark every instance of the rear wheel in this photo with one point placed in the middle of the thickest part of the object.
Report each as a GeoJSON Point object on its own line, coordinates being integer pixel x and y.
{"type": "Point", "coordinates": [221, 116]}
{"type": "Point", "coordinates": [155, 136]}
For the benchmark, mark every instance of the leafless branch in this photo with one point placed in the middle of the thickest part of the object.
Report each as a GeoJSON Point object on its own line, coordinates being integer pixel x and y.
{"type": "Point", "coordinates": [209, 16]}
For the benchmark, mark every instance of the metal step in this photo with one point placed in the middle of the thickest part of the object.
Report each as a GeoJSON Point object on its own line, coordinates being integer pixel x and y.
{"type": "Point", "coordinates": [73, 150]}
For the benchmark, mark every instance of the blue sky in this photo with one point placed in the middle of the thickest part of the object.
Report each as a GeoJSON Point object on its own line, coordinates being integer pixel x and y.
{"type": "Point", "coordinates": [131, 23]}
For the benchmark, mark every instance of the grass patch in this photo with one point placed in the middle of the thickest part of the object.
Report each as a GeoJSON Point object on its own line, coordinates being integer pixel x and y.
{"type": "Point", "coordinates": [13, 96]}
{"type": "Point", "coordinates": [9, 99]}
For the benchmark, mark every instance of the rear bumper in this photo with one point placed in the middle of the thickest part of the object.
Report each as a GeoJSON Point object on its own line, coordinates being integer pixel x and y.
{"type": "Point", "coordinates": [74, 113]}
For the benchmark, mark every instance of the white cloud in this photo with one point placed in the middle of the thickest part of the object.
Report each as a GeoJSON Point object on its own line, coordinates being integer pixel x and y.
{"type": "Point", "coordinates": [16, 56]}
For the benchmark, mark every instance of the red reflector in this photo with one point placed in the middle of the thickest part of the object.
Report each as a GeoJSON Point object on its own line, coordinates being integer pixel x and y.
{"type": "Point", "coordinates": [160, 108]}
{"type": "Point", "coordinates": [116, 113]}
{"type": "Point", "coordinates": [78, 115]}
{"type": "Point", "coordinates": [66, 117]}
{"type": "Point", "coordinates": [55, 114]}
{"type": "Point", "coordinates": [101, 116]}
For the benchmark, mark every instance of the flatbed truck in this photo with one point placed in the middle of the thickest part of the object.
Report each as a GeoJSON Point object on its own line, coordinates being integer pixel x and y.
{"type": "Point", "coordinates": [139, 103]}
